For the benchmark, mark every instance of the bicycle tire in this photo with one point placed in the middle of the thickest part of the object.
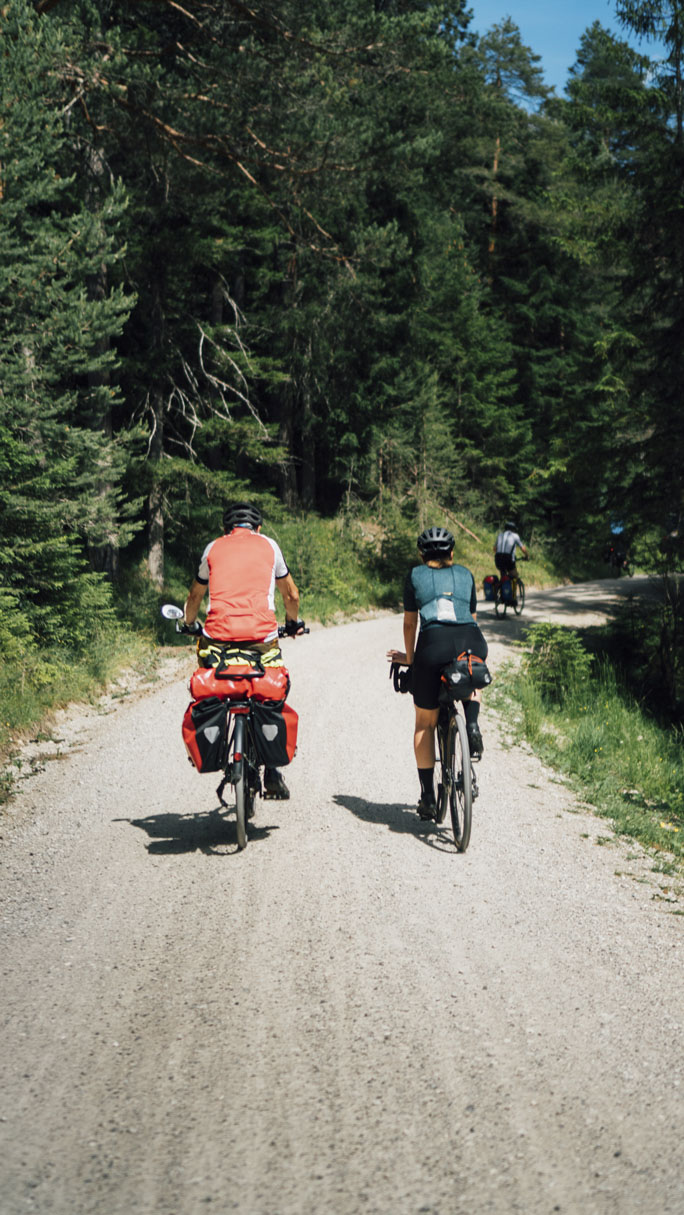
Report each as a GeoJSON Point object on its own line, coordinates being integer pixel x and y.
{"type": "Point", "coordinates": [460, 781]}
{"type": "Point", "coordinates": [520, 597]}
{"type": "Point", "coordinates": [442, 782]}
{"type": "Point", "coordinates": [499, 603]}
{"type": "Point", "coordinates": [243, 793]}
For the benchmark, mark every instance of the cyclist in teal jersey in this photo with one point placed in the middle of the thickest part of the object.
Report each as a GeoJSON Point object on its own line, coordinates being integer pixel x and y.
{"type": "Point", "coordinates": [442, 597]}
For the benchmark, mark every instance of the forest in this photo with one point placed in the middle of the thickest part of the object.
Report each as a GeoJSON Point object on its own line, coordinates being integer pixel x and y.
{"type": "Point", "coordinates": [346, 259]}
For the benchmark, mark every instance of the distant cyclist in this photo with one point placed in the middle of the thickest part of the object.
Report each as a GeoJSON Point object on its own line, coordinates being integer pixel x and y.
{"type": "Point", "coordinates": [507, 541]}
{"type": "Point", "coordinates": [443, 597]}
{"type": "Point", "coordinates": [242, 568]}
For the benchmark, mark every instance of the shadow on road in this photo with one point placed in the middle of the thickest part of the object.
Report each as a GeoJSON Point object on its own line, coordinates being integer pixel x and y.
{"type": "Point", "coordinates": [582, 605]}
{"type": "Point", "coordinates": [174, 834]}
{"type": "Point", "coordinates": [399, 817]}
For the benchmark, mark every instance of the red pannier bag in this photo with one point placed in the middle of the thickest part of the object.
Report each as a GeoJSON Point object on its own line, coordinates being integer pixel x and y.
{"type": "Point", "coordinates": [240, 682]}
{"type": "Point", "coordinates": [205, 733]}
{"type": "Point", "coordinates": [275, 733]}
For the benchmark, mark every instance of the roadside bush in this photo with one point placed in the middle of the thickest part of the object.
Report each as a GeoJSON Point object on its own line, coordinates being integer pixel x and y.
{"type": "Point", "coordinates": [555, 661]}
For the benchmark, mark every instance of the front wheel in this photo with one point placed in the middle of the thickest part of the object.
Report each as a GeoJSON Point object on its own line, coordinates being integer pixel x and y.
{"type": "Point", "coordinates": [243, 793]}
{"type": "Point", "coordinates": [519, 597]}
{"type": "Point", "coordinates": [459, 775]}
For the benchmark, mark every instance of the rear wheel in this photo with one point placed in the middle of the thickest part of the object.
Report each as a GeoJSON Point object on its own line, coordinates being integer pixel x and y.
{"type": "Point", "coordinates": [499, 605]}
{"type": "Point", "coordinates": [519, 597]}
{"type": "Point", "coordinates": [459, 780]}
{"type": "Point", "coordinates": [441, 773]}
{"type": "Point", "coordinates": [243, 793]}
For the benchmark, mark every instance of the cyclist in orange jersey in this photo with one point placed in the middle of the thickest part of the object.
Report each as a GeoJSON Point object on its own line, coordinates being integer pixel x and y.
{"type": "Point", "coordinates": [242, 569]}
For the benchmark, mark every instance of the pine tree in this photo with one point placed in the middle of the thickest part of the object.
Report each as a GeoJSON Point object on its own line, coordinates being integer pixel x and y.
{"type": "Point", "coordinates": [54, 356]}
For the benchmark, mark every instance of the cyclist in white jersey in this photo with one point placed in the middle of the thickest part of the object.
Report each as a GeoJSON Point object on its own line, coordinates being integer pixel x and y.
{"type": "Point", "coordinates": [507, 541]}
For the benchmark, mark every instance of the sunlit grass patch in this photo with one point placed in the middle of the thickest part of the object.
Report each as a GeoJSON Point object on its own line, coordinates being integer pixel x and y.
{"type": "Point", "coordinates": [624, 763]}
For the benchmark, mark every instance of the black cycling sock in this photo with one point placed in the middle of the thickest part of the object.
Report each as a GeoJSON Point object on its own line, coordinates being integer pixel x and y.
{"type": "Point", "coordinates": [472, 711]}
{"type": "Point", "coordinates": [427, 781]}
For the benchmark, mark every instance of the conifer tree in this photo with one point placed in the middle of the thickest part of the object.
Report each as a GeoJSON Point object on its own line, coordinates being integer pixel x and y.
{"type": "Point", "coordinates": [54, 354]}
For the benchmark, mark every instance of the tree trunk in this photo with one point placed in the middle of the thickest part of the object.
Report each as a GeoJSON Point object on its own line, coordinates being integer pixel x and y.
{"type": "Point", "coordinates": [155, 501]}
{"type": "Point", "coordinates": [308, 448]}
{"type": "Point", "coordinates": [493, 231]}
{"type": "Point", "coordinates": [102, 557]}
{"type": "Point", "coordinates": [155, 511]}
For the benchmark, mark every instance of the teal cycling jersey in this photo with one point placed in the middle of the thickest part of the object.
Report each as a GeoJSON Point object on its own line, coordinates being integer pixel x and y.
{"type": "Point", "coordinates": [442, 596]}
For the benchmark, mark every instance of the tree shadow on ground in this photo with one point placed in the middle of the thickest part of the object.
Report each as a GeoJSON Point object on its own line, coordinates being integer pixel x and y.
{"type": "Point", "coordinates": [399, 817]}
{"type": "Point", "coordinates": [174, 834]}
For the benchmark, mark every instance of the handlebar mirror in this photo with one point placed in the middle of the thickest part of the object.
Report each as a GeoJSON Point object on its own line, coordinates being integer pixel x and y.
{"type": "Point", "coordinates": [171, 612]}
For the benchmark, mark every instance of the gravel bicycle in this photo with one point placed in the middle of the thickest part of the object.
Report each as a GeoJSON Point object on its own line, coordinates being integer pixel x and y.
{"type": "Point", "coordinates": [241, 768]}
{"type": "Point", "coordinates": [456, 781]}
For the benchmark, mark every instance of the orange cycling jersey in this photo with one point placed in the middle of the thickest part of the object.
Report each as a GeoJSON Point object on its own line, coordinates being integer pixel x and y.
{"type": "Point", "coordinates": [241, 569]}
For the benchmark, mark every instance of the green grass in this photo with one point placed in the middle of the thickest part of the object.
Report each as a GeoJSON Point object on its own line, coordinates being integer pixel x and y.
{"type": "Point", "coordinates": [35, 683]}
{"type": "Point", "coordinates": [621, 761]}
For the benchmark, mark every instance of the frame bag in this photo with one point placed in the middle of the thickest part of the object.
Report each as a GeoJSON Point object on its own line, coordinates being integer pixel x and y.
{"type": "Point", "coordinates": [205, 733]}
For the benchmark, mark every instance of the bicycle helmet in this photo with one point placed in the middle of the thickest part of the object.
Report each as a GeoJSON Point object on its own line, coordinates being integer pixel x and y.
{"type": "Point", "coordinates": [436, 541]}
{"type": "Point", "coordinates": [510, 527]}
{"type": "Point", "coordinates": [241, 514]}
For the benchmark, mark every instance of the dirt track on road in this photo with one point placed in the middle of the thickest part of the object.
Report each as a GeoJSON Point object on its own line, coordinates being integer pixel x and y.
{"type": "Point", "coordinates": [348, 1017]}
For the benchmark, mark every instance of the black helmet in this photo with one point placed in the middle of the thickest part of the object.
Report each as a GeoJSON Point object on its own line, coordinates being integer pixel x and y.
{"type": "Point", "coordinates": [436, 541]}
{"type": "Point", "coordinates": [241, 514]}
{"type": "Point", "coordinates": [510, 527]}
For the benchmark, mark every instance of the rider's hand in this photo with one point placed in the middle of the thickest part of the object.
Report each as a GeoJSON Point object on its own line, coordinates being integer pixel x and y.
{"type": "Point", "coordinates": [293, 627]}
{"type": "Point", "coordinates": [195, 627]}
{"type": "Point", "coordinates": [398, 656]}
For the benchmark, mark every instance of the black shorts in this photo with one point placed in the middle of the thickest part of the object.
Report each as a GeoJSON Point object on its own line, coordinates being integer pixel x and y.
{"type": "Point", "coordinates": [505, 563]}
{"type": "Point", "coordinates": [437, 645]}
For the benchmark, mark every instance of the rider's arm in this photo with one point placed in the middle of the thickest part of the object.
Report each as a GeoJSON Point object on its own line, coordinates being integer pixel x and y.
{"type": "Point", "coordinates": [410, 629]}
{"type": "Point", "coordinates": [192, 603]}
{"type": "Point", "coordinates": [290, 595]}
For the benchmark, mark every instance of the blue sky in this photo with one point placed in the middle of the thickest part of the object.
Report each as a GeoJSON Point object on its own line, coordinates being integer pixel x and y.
{"type": "Point", "coordinates": [552, 28]}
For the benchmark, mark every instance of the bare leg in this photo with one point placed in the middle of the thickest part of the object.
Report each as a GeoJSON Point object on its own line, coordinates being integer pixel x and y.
{"type": "Point", "coordinates": [424, 737]}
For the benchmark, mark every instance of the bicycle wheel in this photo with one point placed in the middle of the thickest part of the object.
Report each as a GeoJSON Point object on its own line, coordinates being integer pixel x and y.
{"type": "Point", "coordinates": [520, 597]}
{"type": "Point", "coordinates": [499, 605]}
{"type": "Point", "coordinates": [460, 780]}
{"type": "Point", "coordinates": [243, 793]}
{"type": "Point", "coordinates": [441, 766]}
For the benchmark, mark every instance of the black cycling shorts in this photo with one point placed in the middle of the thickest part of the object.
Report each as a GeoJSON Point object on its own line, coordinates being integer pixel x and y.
{"type": "Point", "coordinates": [505, 563]}
{"type": "Point", "coordinates": [437, 645]}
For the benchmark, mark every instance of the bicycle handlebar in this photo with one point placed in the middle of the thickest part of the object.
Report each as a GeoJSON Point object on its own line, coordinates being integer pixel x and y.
{"type": "Point", "coordinates": [170, 612]}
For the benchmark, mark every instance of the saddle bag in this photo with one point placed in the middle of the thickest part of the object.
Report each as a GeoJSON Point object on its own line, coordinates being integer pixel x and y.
{"type": "Point", "coordinates": [465, 675]}
{"type": "Point", "coordinates": [205, 733]}
{"type": "Point", "coordinates": [275, 733]}
{"type": "Point", "coordinates": [506, 590]}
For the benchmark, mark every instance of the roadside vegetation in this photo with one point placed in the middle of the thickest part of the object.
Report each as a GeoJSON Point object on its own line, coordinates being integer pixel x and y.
{"type": "Point", "coordinates": [578, 708]}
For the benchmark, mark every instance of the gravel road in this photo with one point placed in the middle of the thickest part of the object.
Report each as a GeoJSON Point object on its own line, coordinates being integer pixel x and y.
{"type": "Point", "coordinates": [348, 1017]}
